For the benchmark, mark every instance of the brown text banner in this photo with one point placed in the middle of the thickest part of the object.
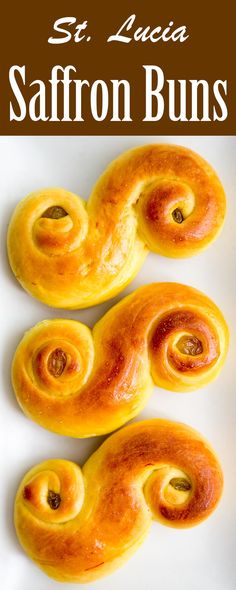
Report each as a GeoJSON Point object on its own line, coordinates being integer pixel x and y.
{"type": "Point", "coordinates": [86, 68]}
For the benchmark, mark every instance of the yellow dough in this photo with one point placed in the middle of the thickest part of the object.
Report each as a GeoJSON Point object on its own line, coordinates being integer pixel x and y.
{"type": "Point", "coordinates": [79, 383]}
{"type": "Point", "coordinates": [81, 525]}
{"type": "Point", "coordinates": [73, 254]}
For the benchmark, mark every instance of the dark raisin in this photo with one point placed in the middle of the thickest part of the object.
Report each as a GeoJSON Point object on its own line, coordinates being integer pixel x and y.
{"type": "Point", "coordinates": [55, 212]}
{"type": "Point", "coordinates": [191, 346]}
{"type": "Point", "coordinates": [181, 484]}
{"type": "Point", "coordinates": [177, 215]}
{"type": "Point", "coordinates": [56, 362]}
{"type": "Point", "coordinates": [53, 499]}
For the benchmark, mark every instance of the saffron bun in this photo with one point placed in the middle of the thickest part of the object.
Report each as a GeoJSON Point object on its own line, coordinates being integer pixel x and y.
{"type": "Point", "coordinates": [71, 254]}
{"type": "Point", "coordinates": [80, 525]}
{"type": "Point", "coordinates": [81, 383]}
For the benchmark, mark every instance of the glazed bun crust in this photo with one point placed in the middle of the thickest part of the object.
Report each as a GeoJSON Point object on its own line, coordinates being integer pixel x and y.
{"type": "Point", "coordinates": [81, 383]}
{"type": "Point", "coordinates": [72, 254]}
{"type": "Point", "coordinates": [81, 525]}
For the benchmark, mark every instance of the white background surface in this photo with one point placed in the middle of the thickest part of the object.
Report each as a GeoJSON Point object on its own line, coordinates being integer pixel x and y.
{"type": "Point", "coordinates": [198, 558]}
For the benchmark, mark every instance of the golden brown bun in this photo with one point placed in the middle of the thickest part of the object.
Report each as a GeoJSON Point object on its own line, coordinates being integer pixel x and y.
{"type": "Point", "coordinates": [81, 384]}
{"type": "Point", "coordinates": [163, 198]}
{"type": "Point", "coordinates": [81, 525]}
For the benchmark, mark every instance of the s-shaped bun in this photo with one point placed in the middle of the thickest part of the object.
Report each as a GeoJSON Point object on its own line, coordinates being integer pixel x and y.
{"type": "Point", "coordinates": [79, 383]}
{"type": "Point", "coordinates": [81, 525]}
{"type": "Point", "coordinates": [72, 254]}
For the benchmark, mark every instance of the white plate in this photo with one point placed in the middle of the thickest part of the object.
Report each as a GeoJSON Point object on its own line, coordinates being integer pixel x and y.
{"type": "Point", "coordinates": [202, 557]}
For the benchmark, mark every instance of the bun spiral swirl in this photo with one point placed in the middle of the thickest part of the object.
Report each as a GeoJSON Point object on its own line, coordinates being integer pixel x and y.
{"type": "Point", "coordinates": [72, 254]}
{"type": "Point", "coordinates": [79, 383]}
{"type": "Point", "coordinates": [79, 526]}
